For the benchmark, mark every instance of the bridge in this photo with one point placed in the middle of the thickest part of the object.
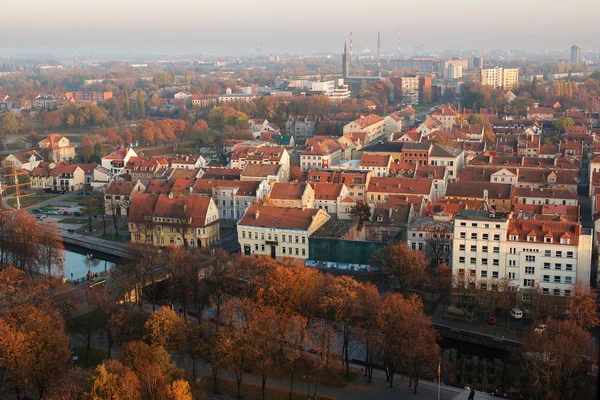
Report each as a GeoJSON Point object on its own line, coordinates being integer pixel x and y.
{"type": "Point", "coordinates": [96, 244]}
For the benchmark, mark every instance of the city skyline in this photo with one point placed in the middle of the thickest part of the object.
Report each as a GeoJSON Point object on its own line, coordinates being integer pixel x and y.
{"type": "Point", "coordinates": [238, 27]}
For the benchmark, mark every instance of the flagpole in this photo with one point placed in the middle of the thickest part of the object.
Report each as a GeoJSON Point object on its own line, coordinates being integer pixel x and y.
{"type": "Point", "coordinates": [439, 378]}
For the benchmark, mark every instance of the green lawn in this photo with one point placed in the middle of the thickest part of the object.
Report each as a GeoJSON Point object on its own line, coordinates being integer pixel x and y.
{"type": "Point", "coordinates": [18, 144]}
{"type": "Point", "coordinates": [429, 306]}
{"type": "Point", "coordinates": [32, 200]}
{"type": "Point", "coordinates": [96, 357]}
{"type": "Point", "coordinates": [121, 238]}
{"type": "Point", "coordinates": [74, 199]}
{"type": "Point", "coordinates": [73, 220]}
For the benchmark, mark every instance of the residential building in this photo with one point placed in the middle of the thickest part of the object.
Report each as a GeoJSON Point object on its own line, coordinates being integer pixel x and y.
{"type": "Point", "coordinates": [433, 235]}
{"type": "Point", "coordinates": [183, 161]}
{"type": "Point", "coordinates": [453, 71]}
{"type": "Point", "coordinates": [428, 126]}
{"type": "Point", "coordinates": [378, 163]}
{"type": "Point", "coordinates": [118, 195]}
{"type": "Point", "coordinates": [27, 160]}
{"type": "Point", "coordinates": [497, 195]}
{"type": "Point", "coordinates": [408, 88]}
{"type": "Point", "coordinates": [576, 57]}
{"type": "Point", "coordinates": [416, 153]}
{"type": "Point", "coordinates": [302, 127]}
{"type": "Point", "coordinates": [279, 232]}
{"type": "Point", "coordinates": [204, 100]}
{"type": "Point", "coordinates": [264, 172]}
{"type": "Point", "coordinates": [380, 189]}
{"type": "Point", "coordinates": [295, 194]}
{"type": "Point", "coordinates": [67, 177]}
{"type": "Point", "coordinates": [392, 123]}
{"type": "Point", "coordinates": [40, 176]}
{"type": "Point", "coordinates": [500, 78]}
{"type": "Point", "coordinates": [451, 158]}
{"type": "Point", "coordinates": [116, 161]}
{"type": "Point", "coordinates": [334, 198]}
{"type": "Point", "coordinates": [244, 155]}
{"type": "Point", "coordinates": [446, 115]}
{"type": "Point", "coordinates": [371, 124]}
{"type": "Point", "coordinates": [552, 254]}
{"type": "Point", "coordinates": [356, 181]}
{"type": "Point", "coordinates": [167, 220]}
{"type": "Point", "coordinates": [557, 196]}
{"type": "Point", "coordinates": [320, 153]}
{"type": "Point", "coordinates": [439, 175]}
{"type": "Point", "coordinates": [56, 148]}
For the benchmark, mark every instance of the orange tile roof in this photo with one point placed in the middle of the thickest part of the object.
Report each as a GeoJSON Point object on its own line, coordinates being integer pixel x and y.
{"type": "Point", "coordinates": [327, 191]}
{"type": "Point", "coordinates": [544, 228]}
{"type": "Point", "coordinates": [278, 217]}
{"type": "Point", "coordinates": [368, 120]}
{"type": "Point", "coordinates": [545, 193]}
{"type": "Point", "coordinates": [123, 188]}
{"type": "Point", "coordinates": [400, 185]}
{"type": "Point", "coordinates": [375, 160]}
{"type": "Point", "coordinates": [142, 207]}
{"type": "Point", "coordinates": [158, 186]}
{"type": "Point", "coordinates": [287, 191]}
{"type": "Point", "coordinates": [194, 208]}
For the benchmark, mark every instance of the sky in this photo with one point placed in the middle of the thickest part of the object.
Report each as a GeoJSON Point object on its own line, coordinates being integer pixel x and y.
{"type": "Point", "coordinates": [236, 26]}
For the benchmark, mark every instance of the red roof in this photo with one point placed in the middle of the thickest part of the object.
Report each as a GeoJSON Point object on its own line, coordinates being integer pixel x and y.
{"type": "Point", "coordinates": [279, 217]}
{"type": "Point", "coordinates": [541, 229]}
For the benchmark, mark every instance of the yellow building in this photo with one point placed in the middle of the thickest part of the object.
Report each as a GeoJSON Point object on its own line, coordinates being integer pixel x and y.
{"type": "Point", "coordinates": [167, 220]}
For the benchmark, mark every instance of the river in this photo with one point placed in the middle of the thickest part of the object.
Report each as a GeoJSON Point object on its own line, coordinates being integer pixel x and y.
{"type": "Point", "coordinates": [77, 263]}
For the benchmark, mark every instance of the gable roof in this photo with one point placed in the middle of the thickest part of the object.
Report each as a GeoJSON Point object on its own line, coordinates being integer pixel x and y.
{"type": "Point", "coordinates": [287, 191]}
{"type": "Point", "coordinates": [279, 217]}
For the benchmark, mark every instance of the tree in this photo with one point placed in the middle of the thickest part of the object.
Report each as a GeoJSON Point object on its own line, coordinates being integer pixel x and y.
{"type": "Point", "coordinates": [141, 103]}
{"type": "Point", "coordinates": [555, 362]}
{"type": "Point", "coordinates": [112, 380]}
{"type": "Point", "coordinates": [90, 209]}
{"type": "Point", "coordinates": [125, 103]}
{"type": "Point", "coordinates": [51, 249]}
{"type": "Point", "coordinates": [408, 268]}
{"type": "Point", "coordinates": [10, 123]}
{"type": "Point", "coordinates": [464, 286]}
{"type": "Point", "coordinates": [200, 127]}
{"type": "Point", "coordinates": [438, 245]}
{"type": "Point", "coordinates": [361, 211]}
{"type": "Point", "coordinates": [367, 322]}
{"type": "Point", "coordinates": [563, 123]}
{"type": "Point", "coordinates": [582, 306]}
{"type": "Point", "coordinates": [166, 329]}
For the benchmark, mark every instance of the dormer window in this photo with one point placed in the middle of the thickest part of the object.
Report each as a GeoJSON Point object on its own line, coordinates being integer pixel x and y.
{"type": "Point", "coordinates": [564, 241]}
{"type": "Point", "coordinates": [547, 240]}
{"type": "Point", "coordinates": [531, 238]}
{"type": "Point", "coordinates": [513, 237]}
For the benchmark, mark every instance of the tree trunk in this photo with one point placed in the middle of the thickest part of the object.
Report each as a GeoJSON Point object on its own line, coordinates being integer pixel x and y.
{"type": "Point", "coordinates": [193, 368]}
{"type": "Point", "coordinates": [392, 372]}
{"type": "Point", "coordinates": [264, 386]}
{"type": "Point", "coordinates": [215, 375]}
{"type": "Point", "coordinates": [346, 345]}
{"type": "Point", "coordinates": [416, 384]}
{"type": "Point", "coordinates": [103, 225]}
{"type": "Point", "coordinates": [115, 223]}
{"type": "Point", "coordinates": [238, 380]}
{"type": "Point", "coordinates": [89, 223]}
{"type": "Point", "coordinates": [88, 346]}
{"type": "Point", "coordinates": [292, 376]}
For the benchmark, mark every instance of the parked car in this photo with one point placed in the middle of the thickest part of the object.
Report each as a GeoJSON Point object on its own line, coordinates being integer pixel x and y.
{"type": "Point", "coordinates": [77, 214]}
{"type": "Point", "coordinates": [540, 328]}
{"type": "Point", "coordinates": [36, 211]}
{"type": "Point", "coordinates": [66, 212]}
{"type": "Point", "coordinates": [82, 193]}
{"type": "Point", "coordinates": [41, 217]}
{"type": "Point", "coordinates": [492, 320]}
{"type": "Point", "coordinates": [516, 313]}
{"type": "Point", "coordinates": [51, 212]}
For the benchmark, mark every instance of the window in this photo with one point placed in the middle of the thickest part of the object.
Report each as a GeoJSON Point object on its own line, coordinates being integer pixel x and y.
{"type": "Point", "coordinates": [546, 278]}
{"type": "Point", "coordinates": [557, 266]}
{"type": "Point", "coordinates": [473, 236]}
{"type": "Point", "coordinates": [473, 260]}
{"type": "Point", "coordinates": [304, 252]}
{"type": "Point", "coordinates": [546, 265]}
{"type": "Point", "coordinates": [569, 254]}
{"type": "Point", "coordinates": [512, 263]}
{"type": "Point", "coordinates": [527, 283]}
{"type": "Point", "coordinates": [463, 224]}
{"type": "Point", "coordinates": [568, 280]}
{"type": "Point", "coordinates": [531, 238]}
{"type": "Point", "coordinates": [473, 247]}
{"type": "Point", "coordinates": [512, 275]}
{"type": "Point", "coordinates": [171, 240]}
{"type": "Point", "coordinates": [485, 236]}
{"type": "Point", "coordinates": [559, 254]}
{"type": "Point", "coordinates": [513, 237]}
{"type": "Point", "coordinates": [494, 274]}
{"type": "Point", "coordinates": [474, 224]}
{"type": "Point", "coordinates": [262, 248]}
{"type": "Point", "coordinates": [303, 239]}
{"type": "Point", "coordinates": [569, 267]}
{"type": "Point", "coordinates": [557, 279]}
{"type": "Point", "coordinates": [530, 258]}
{"type": "Point", "coordinates": [484, 261]}
{"type": "Point", "coordinates": [484, 249]}
{"type": "Point", "coordinates": [413, 246]}
{"type": "Point", "coordinates": [461, 260]}
{"type": "Point", "coordinates": [547, 253]}
{"type": "Point", "coordinates": [556, 293]}
{"type": "Point", "coordinates": [545, 291]}
{"type": "Point", "coordinates": [461, 247]}
{"type": "Point", "coordinates": [262, 236]}
{"type": "Point", "coordinates": [296, 251]}
{"type": "Point", "coordinates": [297, 240]}
{"type": "Point", "coordinates": [283, 250]}
{"type": "Point", "coordinates": [567, 292]}
{"type": "Point", "coordinates": [484, 274]}
{"type": "Point", "coordinates": [283, 238]}
{"type": "Point", "coordinates": [496, 250]}
{"type": "Point", "coordinates": [530, 270]}
{"type": "Point", "coordinates": [496, 237]}
{"type": "Point", "coordinates": [547, 240]}
{"type": "Point", "coordinates": [463, 235]}
{"type": "Point", "coordinates": [496, 262]}
{"type": "Point", "coordinates": [420, 245]}
{"type": "Point", "coordinates": [472, 272]}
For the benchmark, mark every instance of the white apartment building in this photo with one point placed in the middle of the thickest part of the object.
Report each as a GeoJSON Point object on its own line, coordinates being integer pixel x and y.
{"type": "Point", "coordinates": [454, 71]}
{"type": "Point", "coordinates": [553, 254]}
{"type": "Point", "coordinates": [451, 158]}
{"type": "Point", "coordinates": [500, 78]}
{"type": "Point", "coordinates": [279, 232]}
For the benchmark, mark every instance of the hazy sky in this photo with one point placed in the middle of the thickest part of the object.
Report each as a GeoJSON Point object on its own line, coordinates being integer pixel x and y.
{"type": "Point", "coordinates": [198, 26]}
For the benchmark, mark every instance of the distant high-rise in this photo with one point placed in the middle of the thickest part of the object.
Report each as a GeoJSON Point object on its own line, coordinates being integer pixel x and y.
{"type": "Point", "coordinates": [576, 55]}
{"type": "Point", "coordinates": [500, 78]}
{"type": "Point", "coordinates": [345, 63]}
{"type": "Point", "coordinates": [477, 62]}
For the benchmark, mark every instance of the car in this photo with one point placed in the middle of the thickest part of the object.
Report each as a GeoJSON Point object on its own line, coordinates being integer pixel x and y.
{"type": "Point", "coordinates": [41, 217]}
{"type": "Point", "coordinates": [492, 320]}
{"type": "Point", "coordinates": [540, 328]}
{"type": "Point", "coordinates": [66, 212]}
{"type": "Point", "coordinates": [36, 211]}
{"type": "Point", "coordinates": [77, 214]}
{"type": "Point", "coordinates": [516, 313]}
{"type": "Point", "coordinates": [51, 212]}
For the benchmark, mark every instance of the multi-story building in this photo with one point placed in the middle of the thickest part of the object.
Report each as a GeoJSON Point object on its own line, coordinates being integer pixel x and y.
{"type": "Point", "coordinates": [356, 181]}
{"type": "Point", "coordinates": [116, 161]}
{"type": "Point", "coordinates": [244, 155]}
{"type": "Point", "coordinates": [27, 160]}
{"type": "Point", "coordinates": [500, 78]}
{"type": "Point", "coordinates": [302, 127]}
{"type": "Point", "coordinates": [576, 55]}
{"type": "Point", "coordinates": [435, 232]}
{"type": "Point", "coordinates": [551, 255]}
{"type": "Point", "coordinates": [451, 158]}
{"type": "Point", "coordinates": [56, 148]}
{"type": "Point", "coordinates": [118, 195]}
{"type": "Point", "coordinates": [320, 153]}
{"type": "Point", "coordinates": [204, 100]}
{"type": "Point", "coordinates": [279, 232]}
{"type": "Point", "coordinates": [183, 161]}
{"type": "Point", "coordinates": [453, 71]}
{"type": "Point", "coordinates": [557, 196]}
{"type": "Point", "coordinates": [67, 177]}
{"type": "Point", "coordinates": [333, 198]}
{"type": "Point", "coordinates": [446, 115]}
{"type": "Point", "coordinates": [371, 124]}
{"type": "Point", "coordinates": [167, 220]}
{"type": "Point", "coordinates": [380, 189]}
{"type": "Point", "coordinates": [378, 163]}
{"type": "Point", "coordinates": [295, 194]}
{"type": "Point", "coordinates": [392, 123]}
{"type": "Point", "coordinates": [408, 87]}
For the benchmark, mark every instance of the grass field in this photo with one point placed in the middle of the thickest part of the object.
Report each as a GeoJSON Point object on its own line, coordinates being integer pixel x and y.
{"type": "Point", "coordinates": [96, 357]}
{"type": "Point", "coordinates": [29, 201]}
{"type": "Point", "coordinates": [121, 238]}
{"type": "Point", "coordinates": [73, 220]}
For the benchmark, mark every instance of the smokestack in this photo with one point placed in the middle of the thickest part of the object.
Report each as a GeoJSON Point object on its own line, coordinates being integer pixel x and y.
{"type": "Point", "coordinates": [350, 44]}
{"type": "Point", "coordinates": [378, 53]}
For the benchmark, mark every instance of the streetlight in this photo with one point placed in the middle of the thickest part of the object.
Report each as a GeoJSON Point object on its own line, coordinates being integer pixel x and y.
{"type": "Point", "coordinates": [307, 385]}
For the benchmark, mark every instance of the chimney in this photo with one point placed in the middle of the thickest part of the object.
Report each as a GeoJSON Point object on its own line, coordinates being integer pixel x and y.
{"type": "Point", "coordinates": [256, 215]}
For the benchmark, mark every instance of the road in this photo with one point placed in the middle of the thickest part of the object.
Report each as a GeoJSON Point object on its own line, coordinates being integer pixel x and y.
{"type": "Point", "coordinates": [583, 190]}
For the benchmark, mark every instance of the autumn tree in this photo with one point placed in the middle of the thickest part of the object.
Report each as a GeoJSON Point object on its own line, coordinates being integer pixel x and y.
{"type": "Point", "coordinates": [556, 362]}
{"type": "Point", "coordinates": [141, 103]}
{"type": "Point", "coordinates": [51, 249]}
{"type": "Point", "coordinates": [361, 211]}
{"type": "Point", "coordinates": [438, 245]}
{"type": "Point", "coordinates": [408, 268]}
{"type": "Point", "coordinates": [90, 209]}
{"type": "Point", "coordinates": [296, 174]}
{"type": "Point", "coordinates": [10, 123]}
{"type": "Point", "coordinates": [166, 329]}
{"type": "Point", "coordinates": [582, 306]}
{"type": "Point", "coordinates": [464, 286]}
{"type": "Point", "coordinates": [125, 103]}
{"type": "Point", "coordinates": [563, 123]}
{"type": "Point", "coordinates": [368, 307]}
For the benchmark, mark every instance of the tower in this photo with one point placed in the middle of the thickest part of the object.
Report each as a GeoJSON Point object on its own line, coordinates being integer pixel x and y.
{"type": "Point", "coordinates": [398, 42]}
{"type": "Point", "coordinates": [350, 44]}
{"type": "Point", "coordinates": [345, 63]}
{"type": "Point", "coordinates": [576, 55]}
